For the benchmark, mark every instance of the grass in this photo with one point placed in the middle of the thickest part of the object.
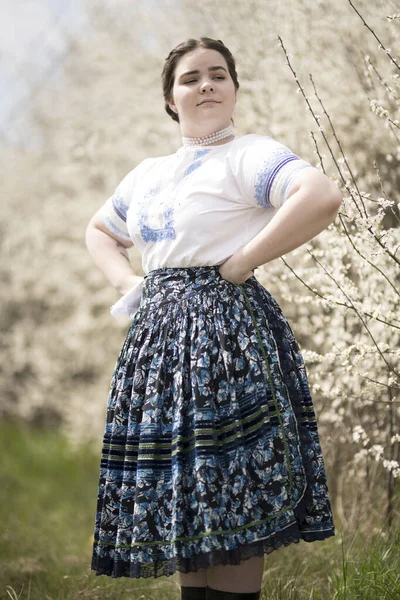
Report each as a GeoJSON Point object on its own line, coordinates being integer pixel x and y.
{"type": "Point", "coordinates": [47, 496]}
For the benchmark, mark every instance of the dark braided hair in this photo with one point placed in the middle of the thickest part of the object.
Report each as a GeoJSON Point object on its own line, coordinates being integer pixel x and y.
{"type": "Point", "coordinates": [168, 72]}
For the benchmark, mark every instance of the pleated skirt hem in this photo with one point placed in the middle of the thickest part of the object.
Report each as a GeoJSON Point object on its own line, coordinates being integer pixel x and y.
{"type": "Point", "coordinates": [293, 533]}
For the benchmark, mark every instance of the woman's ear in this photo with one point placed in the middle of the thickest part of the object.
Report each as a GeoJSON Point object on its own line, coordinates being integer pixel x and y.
{"type": "Point", "coordinates": [172, 106]}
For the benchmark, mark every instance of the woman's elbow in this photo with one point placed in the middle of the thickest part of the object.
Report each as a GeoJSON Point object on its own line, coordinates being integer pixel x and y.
{"type": "Point", "coordinates": [89, 232]}
{"type": "Point", "coordinates": [327, 190]}
{"type": "Point", "coordinates": [334, 196]}
{"type": "Point", "coordinates": [333, 201]}
{"type": "Point", "coordinates": [93, 234]}
{"type": "Point", "coordinates": [317, 185]}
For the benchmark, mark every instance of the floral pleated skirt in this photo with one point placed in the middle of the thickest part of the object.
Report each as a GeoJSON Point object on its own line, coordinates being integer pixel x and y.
{"type": "Point", "coordinates": [211, 452]}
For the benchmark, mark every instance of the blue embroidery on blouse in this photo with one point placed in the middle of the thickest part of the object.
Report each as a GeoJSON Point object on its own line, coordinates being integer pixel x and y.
{"type": "Point", "coordinates": [150, 234]}
{"type": "Point", "coordinates": [196, 161]}
{"type": "Point", "coordinates": [265, 178]}
{"type": "Point", "coordinates": [199, 153]}
{"type": "Point", "coordinates": [110, 225]}
{"type": "Point", "coordinates": [119, 205]}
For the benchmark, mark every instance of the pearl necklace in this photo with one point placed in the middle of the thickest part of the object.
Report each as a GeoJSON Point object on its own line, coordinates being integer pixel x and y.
{"type": "Point", "coordinates": [208, 139]}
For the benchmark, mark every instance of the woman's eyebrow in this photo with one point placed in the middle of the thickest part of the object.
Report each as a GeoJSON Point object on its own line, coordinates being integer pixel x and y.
{"type": "Point", "coordinates": [196, 72]}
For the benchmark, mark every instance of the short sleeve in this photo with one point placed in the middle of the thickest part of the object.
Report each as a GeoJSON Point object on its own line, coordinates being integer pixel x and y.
{"type": "Point", "coordinates": [266, 171]}
{"type": "Point", "coordinates": [114, 211]}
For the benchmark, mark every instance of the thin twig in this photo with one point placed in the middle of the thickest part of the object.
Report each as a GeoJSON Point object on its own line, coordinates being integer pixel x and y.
{"type": "Point", "coordinates": [318, 152]}
{"type": "Point", "coordinates": [370, 400]}
{"type": "Point", "coordinates": [339, 144]}
{"type": "Point", "coordinates": [337, 302]}
{"type": "Point", "coordinates": [392, 387]}
{"type": "Point", "coordinates": [387, 51]}
{"type": "Point", "coordinates": [389, 89]}
{"type": "Point", "coordinates": [396, 137]}
{"type": "Point", "coordinates": [365, 258]}
{"type": "Point", "coordinates": [369, 229]}
{"type": "Point", "coordinates": [383, 190]}
{"type": "Point", "coordinates": [390, 367]}
{"type": "Point", "coordinates": [316, 119]}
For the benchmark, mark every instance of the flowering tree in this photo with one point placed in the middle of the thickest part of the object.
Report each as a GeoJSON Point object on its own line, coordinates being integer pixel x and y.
{"type": "Point", "coordinates": [340, 291]}
{"type": "Point", "coordinates": [104, 113]}
{"type": "Point", "coordinates": [355, 279]}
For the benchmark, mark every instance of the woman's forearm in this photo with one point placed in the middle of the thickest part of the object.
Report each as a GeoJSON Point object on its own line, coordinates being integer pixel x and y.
{"type": "Point", "coordinates": [112, 259]}
{"type": "Point", "coordinates": [303, 216]}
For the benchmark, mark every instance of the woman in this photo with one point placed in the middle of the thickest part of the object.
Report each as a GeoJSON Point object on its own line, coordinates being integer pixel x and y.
{"type": "Point", "coordinates": [211, 455]}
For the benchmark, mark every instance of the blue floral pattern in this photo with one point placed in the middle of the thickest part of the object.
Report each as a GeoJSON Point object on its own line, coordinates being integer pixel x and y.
{"type": "Point", "coordinates": [163, 199]}
{"type": "Point", "coordinates": [211, 451]}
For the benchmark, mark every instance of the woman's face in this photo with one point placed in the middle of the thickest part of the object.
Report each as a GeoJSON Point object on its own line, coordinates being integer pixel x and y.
{"type": "Point", "coordinates": [203, 94]}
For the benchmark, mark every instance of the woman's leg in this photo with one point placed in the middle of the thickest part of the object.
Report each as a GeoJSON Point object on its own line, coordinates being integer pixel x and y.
{"type": "Point", "coordinates": [197, 578]}
{"type": "Point", "coordinates": [193, 585]}
{"type": "Point", "coordinates": [243, 578]}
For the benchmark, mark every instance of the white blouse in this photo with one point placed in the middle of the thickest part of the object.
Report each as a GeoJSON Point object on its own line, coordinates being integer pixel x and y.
{"type": "Point", "coordinates": [198, 206]}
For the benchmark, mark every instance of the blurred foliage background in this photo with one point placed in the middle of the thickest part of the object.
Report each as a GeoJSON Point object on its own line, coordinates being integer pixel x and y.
{"type": "Point", "coordinates": [99, 111]}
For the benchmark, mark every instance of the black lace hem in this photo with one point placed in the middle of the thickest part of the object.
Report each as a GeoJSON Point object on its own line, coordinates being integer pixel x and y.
{"type": "Point", "coordinates": [165, 568]}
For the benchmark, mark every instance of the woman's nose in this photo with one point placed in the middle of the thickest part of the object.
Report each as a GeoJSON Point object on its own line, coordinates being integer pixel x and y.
{"type": "Point", "coordinates": [207, 85]}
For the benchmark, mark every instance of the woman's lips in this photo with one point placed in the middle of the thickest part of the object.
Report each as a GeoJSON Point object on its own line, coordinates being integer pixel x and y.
{"type": "Point", "coordinates": [209, 102]}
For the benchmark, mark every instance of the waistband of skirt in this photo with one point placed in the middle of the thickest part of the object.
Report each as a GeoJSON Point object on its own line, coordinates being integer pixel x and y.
{"type": "Point", "coordinates": [163, 281]}
{"type": "Point", "coordinates": [185, 272]}
{"type": "Point", "coordinates": [173, 284]}
{"type": "Point", "coordinates": [182, 282]}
